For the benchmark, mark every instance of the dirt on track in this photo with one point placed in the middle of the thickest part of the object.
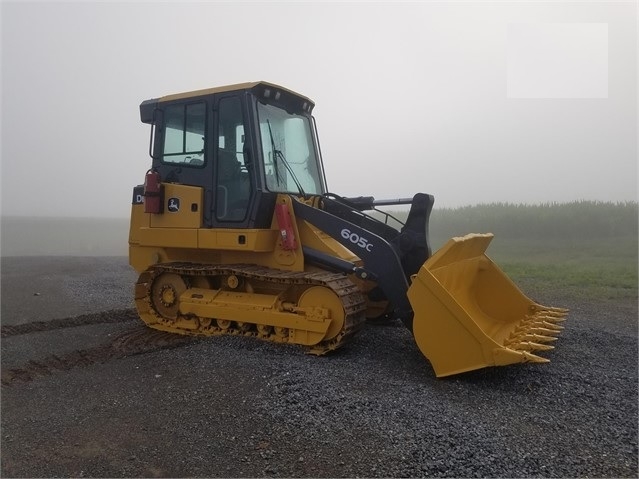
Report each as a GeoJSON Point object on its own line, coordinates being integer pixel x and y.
{"type": "Point", "coordinates": [96, 394]}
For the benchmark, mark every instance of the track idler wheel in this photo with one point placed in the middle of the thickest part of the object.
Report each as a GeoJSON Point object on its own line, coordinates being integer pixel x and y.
{"type": "Point", "coordinates": [325, 298]}
{"type": "Point", "coordinates": [165, 294]}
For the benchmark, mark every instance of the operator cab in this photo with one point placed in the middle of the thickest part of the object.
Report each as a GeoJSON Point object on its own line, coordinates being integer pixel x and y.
{"type": "Point", "coordinates": [242, 144]}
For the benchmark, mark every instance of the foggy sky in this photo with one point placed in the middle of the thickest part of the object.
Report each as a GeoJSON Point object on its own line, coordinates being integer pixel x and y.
{"type": "Point", "coordinates": [472, 102]}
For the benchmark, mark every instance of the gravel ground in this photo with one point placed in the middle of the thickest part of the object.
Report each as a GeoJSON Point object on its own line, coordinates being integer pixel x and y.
{"type": "Point", "coordinates": [238, 407]}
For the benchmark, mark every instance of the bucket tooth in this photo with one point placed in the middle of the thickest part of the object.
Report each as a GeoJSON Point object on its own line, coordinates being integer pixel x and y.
{"type": "Point", "coordinates": [550, 310]}
{"type": "Point", "coordinates": [544, 319]}
{"type": "Point", "coordinates": [532, 358]}
{"type": "Point", "coordinates": [552, 320]}
{"type": "Point", "coordinates": [537, 338]}
{"type": "Point", "coordinates": [552, 326]}
{"type": "Point", "coordinates": [539, 310]}
{"type": "Point", "coordinates": [544, 331]}
{"type": "Point", "coordinates": [552, 315]}
{"type": "Point", "coordinates": [530, 346]}
{"type": "Point", "coordinates": [538, 327]}
{"type": "Point", "coordinates": [562, 311]}
{"type": "Point", "coordinates": [504, 356]}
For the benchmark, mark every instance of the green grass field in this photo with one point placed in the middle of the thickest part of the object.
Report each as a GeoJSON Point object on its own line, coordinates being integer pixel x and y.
{"type": "Point", "coordinates": [589, 249]}
{"type": "Point", "coordinates": [595, 268]}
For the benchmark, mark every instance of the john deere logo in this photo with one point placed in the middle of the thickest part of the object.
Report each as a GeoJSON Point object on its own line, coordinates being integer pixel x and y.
{"type": "Point", "coordinates": [174, 205]}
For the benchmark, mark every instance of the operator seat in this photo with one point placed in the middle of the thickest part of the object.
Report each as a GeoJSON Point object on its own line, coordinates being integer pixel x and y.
{"type": "Point", "coordinates": [233, 189]}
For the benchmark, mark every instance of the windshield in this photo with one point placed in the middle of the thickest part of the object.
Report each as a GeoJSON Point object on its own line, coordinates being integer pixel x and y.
{"type": "Point", "coordinates": [290, 162]}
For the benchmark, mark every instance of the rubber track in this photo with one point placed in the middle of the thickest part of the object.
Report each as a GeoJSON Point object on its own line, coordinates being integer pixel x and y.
{"type": "Point", "coordinates": [113, 316]}
{"type": "Point", "coordinates": [138, 340]}
{"type": "Point", "coordinates": [352, 299]}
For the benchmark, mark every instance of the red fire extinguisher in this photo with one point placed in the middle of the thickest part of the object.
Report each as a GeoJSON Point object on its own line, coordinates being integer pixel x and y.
{"type": "Point", "coordinates": [152, 192]}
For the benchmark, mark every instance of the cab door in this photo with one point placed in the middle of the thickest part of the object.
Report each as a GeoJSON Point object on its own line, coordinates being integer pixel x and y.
{"type": "Point", "coordinates": [233, 180]}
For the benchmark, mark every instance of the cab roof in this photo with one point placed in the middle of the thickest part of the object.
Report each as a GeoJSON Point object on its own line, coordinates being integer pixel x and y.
{"type": "Point", "coordinates": [269, 92]}
{"type": "Point", "coordinates": [237, 86]}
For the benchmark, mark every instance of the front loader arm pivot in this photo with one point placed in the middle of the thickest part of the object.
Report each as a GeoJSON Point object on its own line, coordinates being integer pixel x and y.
{"type": "Point", "coordinates": [378, 255]}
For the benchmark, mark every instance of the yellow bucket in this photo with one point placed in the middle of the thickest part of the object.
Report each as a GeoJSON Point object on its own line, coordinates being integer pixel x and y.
{"type": "Point", "coordinates": [469, 315]}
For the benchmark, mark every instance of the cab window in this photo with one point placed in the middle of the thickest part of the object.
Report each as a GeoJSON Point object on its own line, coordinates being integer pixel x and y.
{"type": "Point", "coordinates": [184, 127]}
{"type": "Point", "coordinates": [288, 152]}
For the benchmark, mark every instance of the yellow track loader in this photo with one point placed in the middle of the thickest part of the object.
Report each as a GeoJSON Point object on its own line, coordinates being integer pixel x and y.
{"type": "Point", "coordinates": [234, 231]}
